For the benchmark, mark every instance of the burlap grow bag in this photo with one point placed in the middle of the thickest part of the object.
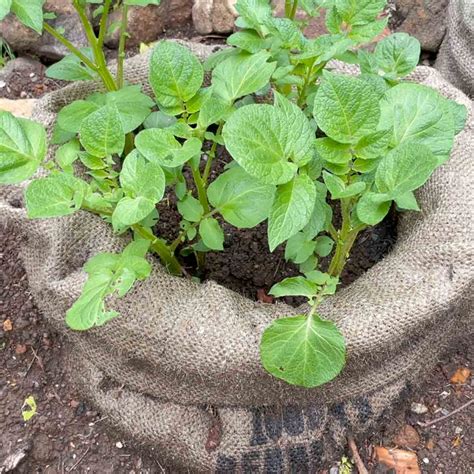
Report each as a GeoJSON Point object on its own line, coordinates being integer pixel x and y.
{"type": "Point", "coordinates": [179, 371]}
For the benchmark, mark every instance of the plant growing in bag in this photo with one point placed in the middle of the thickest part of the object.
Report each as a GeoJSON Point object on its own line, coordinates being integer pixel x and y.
{"type": "Point", "coordinates": [300, 135]}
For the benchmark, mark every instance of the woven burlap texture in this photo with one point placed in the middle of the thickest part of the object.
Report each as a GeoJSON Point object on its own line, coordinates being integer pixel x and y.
{"type": "Point", "coordinates": [456, 57]}
{"type": "Point", "coordinates": [179, 370]}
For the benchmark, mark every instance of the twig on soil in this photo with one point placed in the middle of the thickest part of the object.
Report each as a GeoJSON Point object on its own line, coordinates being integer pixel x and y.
{"type": "Point", "coordinates": [79, 460]}
{"type": "Point", "coordinates": [35, 357]}
{"type": "Point", "coordinates": [442, 418]}
{"type": "Point", "coordinates": [356, 457]}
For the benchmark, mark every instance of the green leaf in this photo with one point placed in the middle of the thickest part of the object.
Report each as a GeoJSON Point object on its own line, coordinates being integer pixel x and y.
{"type": "Point", "coordinates": [161, 147]}
{"type": "Point", "coordinates": [397, 55]}
{"type": "Point", "coordinates": [418, 114]}
{"type": "Point", "coordinates": [159, 120]}
{"type": "Point", "coordinates": [108, 273]}
{"type": "Point", "coordinates": [133, 106]}
{"type": "Point", "coordinates": [141, 178]}
{"type": "Point", "coordinates": [338, 189]}
{"type": "Point", "coordinates": [291, 209]}
{"type": "Point", "coordinates": [101, 132]}
{"type": "Point", "coordinates": [333, 151]}
{"type": "Point", "coordinates": [190, 208]}
{"type": "Point", "coordinates": [294, 286]}
{"type": "Point", "coordinates": [211, 233]}
{"type": "Point", "coordinates": [368, 32]}
{"type": "Point", "coordinates": [459, 114]}
{"type": "Point", "coordinates": [212, 111]}
{"type": "Point", "coordinates": [324, 245]}
{"type": "Point", "coordinates": [67, 154]}
{"type": "Point", "coordinates": [262, 139]}
{"type": "Point", "coordinates": [254, 14]}
{"type": "Point", "coordinates": [405, 169]}
{"type": "Point", "coordinates": [373, 207]}
{"type": "Point", "coordinates": [242, 200]}
{"type": "Point", "coordinates": [407, 201]}
{"type": "Point", "coordinates": [175, 75]}
{"type": "Point", "coordinates": [70, 68]}
{"type": "Point", "coordinates": [242, 74]}
{"type": "Point", "coordinates": [54, 196]}
{"type": "Point", "coordinates": [247, 40]}
{"type": "Point", "coordinates": [131, 210]}
{"type": "Point", "coordinates": [30, 13]}
{"type": "Point", "coordinates": [346, 108]}
{"type": "Point", "coordinates": [142, 3]}
{"type": "Point", "coordinates": [359, 12]}
{"type": "Point", "coordinates": [298, 248]}
{"type": "Point", "coordinates": [5, 6]}
{"type": "Point", "coordinates": [71, 116]}
{"type": "Point", "coordinates": [28, 410]}
{"type": "Point", "coordinates": [324, 47]}
{"type": "Point", "coordinates": [373, 145]}
{"type": "Point", "coordinates": [22, 148]}
{"type": "Point", "coordinates": [303, 350]}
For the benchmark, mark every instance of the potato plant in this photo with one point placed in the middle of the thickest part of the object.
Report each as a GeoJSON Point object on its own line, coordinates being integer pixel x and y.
{"type": "Point", "coordinates": [301, 135]}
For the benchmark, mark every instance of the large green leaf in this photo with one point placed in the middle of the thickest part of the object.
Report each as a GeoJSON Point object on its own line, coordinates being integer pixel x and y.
{"type": "Point", "coordinates": [303, 350]}
{"type": "Point", "coordinates": [54, 196]}
{"type": "Point", "coordinates": [101, 132]}
{"type": "Point", "coordinates": [211, 233]}
{"type": "Point", "coordinates": [70, 68]}
{"type": "Point", "coordinates": [346, 108]}
{"type": "Point", "coordinates": [108, 273]}
{"type": "Point", "coordinates": [291, 209]}
{"type": "Point", "coordinates": [30, 13]}
{"type": "Point", "coordinates": [418, 114]}
{"type": "Point", "coordinates": [294, 286]}
{"type": "Point", "coordinates": [359, 12]}
{"type": "Point", "coordinates": [241, 75]}
{"type": "Point", "coordinates": [242, 200]}
{"type": "Point", "coordinates": [71, 116]}
{"type": "Point", "coordinates": [267, 143]}
{"type": "Point", "coordinates": [22, 148]}
{"type": "Point", "coordinates": [175, 75]}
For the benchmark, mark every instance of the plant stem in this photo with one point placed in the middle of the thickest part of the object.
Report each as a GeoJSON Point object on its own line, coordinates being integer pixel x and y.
{"type": "Point", "coordinates": [210, 157]}
{"type": "Point", "coordinates": [201, 189]}
{"type": "Point", "coordinates": [70, 46]}
{"type": "Point", "coordinates": [122, 41]}
{"type": "Point", "coordinates": [181, 235]}
{"type": "Point", "coordinates": [287, 8]}
{"type": "Point", "coordinates": [293, 10]}
{"type": "Point", "coordinates": [159, 247]}
{"type": "Point", "coordinates": [103, 23]}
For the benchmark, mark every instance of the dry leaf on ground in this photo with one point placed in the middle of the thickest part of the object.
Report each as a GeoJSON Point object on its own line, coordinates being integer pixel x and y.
{"type": "Point", "coordinates": [404, 462]}
{"type": "Point", "coordinates": [460, 376]}
{"type": "Point", "coordinates": [407, 437]}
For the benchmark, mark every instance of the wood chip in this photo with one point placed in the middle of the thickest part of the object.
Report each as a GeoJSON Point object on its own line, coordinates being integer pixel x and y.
{"type": "Point", "coordinates": [404, 462]}
{"type": "Point", "coordinates": [7, 325]}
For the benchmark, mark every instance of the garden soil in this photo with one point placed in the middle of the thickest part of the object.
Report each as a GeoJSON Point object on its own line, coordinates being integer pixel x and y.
{"type": "Point", "coordinates": [277, 435]}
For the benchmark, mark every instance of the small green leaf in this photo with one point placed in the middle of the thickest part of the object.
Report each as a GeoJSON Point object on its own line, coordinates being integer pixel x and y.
{"type": "Point", "coordinates": [346, 108]}
{"type": "Point", "coordinates": [373, 207]}
{"type": "Point", "coordinates": [108, 273]}
{"type": "Point", "coordinates": [242, 200]}
{"type": "Point", "coordinates": [373, 145]}
{"type": "Point", "coordinates": [28, 410]}
{"type": "Point", "coordinates": [294, 286]}
{"type": "Point", "coordinates": [247, 40]}
{"type": "Point", "coordinates": [338, 189]}
{"type": "Point", "coordinates": [303, 350]}
{"type": "Point", "coordinates": [291, 209]}
{"type": "Point", "coordinates": [254, 14]}
{"type": "Point", "coordinates": [324, 245]}
{"type": "Point", "coordinates": [407, 201]}
{"type": "Point", "coordinates": [101, 132]}
{"type": "Point", "coordinates": [71, 116]}
{"type": "Point", "coordinates": [70, 68]}
{"type": "Point", "coordinates": [397, 55]}
{"type": "Point", "coordinates": [359, 12]}
{"type": "Point", "coordinates": [298, 248]}
{"type": "Point", "coordinates": [241, 75]}
{"type": "Point", "coordinates": [54, 196]}
{"type": "Point", "coordinates": [30, 13]}
{"type": "Point", "coordinates": [175, 75]}
{"type": "Point", "coordinates": [5, 6]}
{"type": "Point", "coordinates": [131, 210]}
{"type": "Point", "coordinates": [190, 208]}
{"type": "Point", "coordinates": [211, 233]}
{"type": "Point", "coordinates": [67, 154]}
{"type": "Point", "coordinates": [22, 148]}
{"type": "Point", "coordinates": [333, 151]}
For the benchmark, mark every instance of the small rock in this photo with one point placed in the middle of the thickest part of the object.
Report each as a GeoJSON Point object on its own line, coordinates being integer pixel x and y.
{"type": "Point", "coordinates": [2, 84]}
{"type": "Point", "coordinates": [426, 460]}
{"type": "Point", "coordinates": [425, 19]}
{"type": "Point", "coordinates": [119, 445]}
{"type": "Point", "coordinates": [20, 349]}
{"type": "Point", "coordinates": [20, 108]}
{"type": "Point", "coordinates": [458, 430]}
{"type": "Point", "coordinates": [430, 444]}
{"type": "Point", "coordinates": [418, 408]}
{"type": "Point", "coordinates": [7, 324]}
{"type": "Point", "coordinates": [214, 16]}
{"type": "Point", "coordinates": [407, 437]}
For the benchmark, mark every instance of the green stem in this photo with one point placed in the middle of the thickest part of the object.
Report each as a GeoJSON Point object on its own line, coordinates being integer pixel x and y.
{"type": "Point", "coordinates": [122, 41]}
{"type": "Point", "coordinates": [99, 57]}
{"type": "Point", "coordinates": [159, 247]}
{"type": "Point", "coordinates": [287, 8]}
{"type": "Point", "coordinates": [103, 23]}
{"type": "Point", "coordinates": [210, 157]}
{"type": "Point", "coordinates": [182, 234]}
{"type": "Point", "coordinates": [70, 46]}
{"type": "Point", "coordinates": [201, 189]}
{"type": "Point", "coordinates": [293, 10]}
